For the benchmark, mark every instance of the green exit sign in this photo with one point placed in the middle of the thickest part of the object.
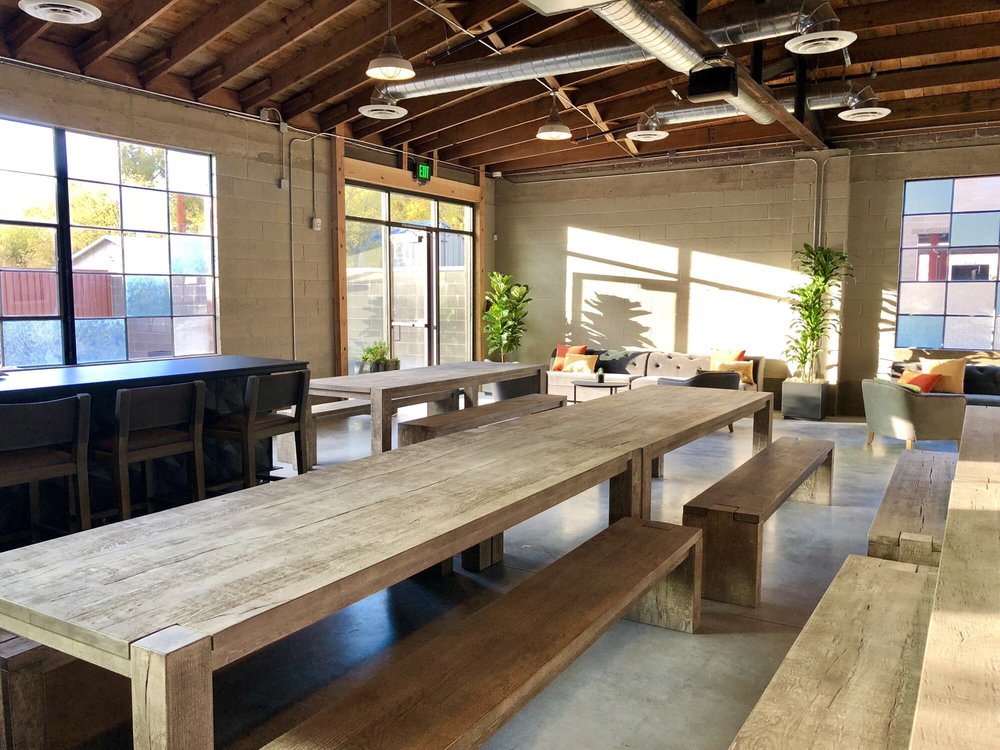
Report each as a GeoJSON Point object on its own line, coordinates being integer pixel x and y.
{"type": "Point", "coordinates": [421, 170]}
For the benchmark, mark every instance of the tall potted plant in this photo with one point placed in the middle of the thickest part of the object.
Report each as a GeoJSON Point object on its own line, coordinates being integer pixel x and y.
{"type": "Point", "coordinates": [806, 393]}
{"type": "Point", "coordinates": [506, 309]}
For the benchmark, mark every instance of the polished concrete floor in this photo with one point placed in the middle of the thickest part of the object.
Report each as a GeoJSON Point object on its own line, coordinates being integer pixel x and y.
{"type": "Point", "coordinates": [639, 687]}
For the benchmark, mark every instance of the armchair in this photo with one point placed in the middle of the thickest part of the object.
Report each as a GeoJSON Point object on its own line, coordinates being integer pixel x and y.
{"type": "Point", "coordinates": [895, 411]}
{"type": "Point", "coordinates": [711, 379]}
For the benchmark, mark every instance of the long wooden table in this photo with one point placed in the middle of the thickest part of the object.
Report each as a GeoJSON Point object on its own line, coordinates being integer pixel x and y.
{"type": "Point", "coordinates": [384, 388]}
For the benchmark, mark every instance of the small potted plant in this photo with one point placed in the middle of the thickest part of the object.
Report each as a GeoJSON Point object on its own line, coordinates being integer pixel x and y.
{"type": "Point", "coordinates": [506, 309]}
{"type": "Point", "coordinates": [806, 394]}
{"type": "Point", "coordinates": [377, 358]}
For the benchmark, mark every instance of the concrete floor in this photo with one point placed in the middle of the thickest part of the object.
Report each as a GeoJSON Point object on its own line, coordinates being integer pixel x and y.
{"type": "Point", "coordinates": [639, 687]}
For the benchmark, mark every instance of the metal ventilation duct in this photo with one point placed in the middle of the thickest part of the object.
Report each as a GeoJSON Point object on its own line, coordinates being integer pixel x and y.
{"type": "Point", "coordinates": [652, 40]}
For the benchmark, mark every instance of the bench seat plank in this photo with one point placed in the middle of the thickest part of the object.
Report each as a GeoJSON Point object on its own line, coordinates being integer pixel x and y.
{"type": "Point", "coordinates": [850, 679]}
{"type": "Point", "coordinates": [909, 525]}
{"type": "Point", "coordinates": [757, 488]}
{"type": "Point", "coordinates": [456, 690]}
{"type": "Point", "coordinates": [446, 423]}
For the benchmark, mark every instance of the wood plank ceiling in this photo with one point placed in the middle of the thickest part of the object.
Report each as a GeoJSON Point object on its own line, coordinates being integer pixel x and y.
{"type": "Point", "coordinates": [936, 64]}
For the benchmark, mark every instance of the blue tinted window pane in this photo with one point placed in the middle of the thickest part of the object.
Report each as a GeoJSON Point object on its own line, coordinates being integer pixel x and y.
{"type": "Point", "coordinates": [147, 296]}
{"type": "Point", "coordinates": [975, 229]}
{"type": "Point", "coordinates": [190, 255]}
{"type": "Point", "coordinates": [928, 197]}
{"type": "Point", "coordinates": [100, 340]}
{"type": "Point", "coordinates": [28, 343]}
{"type": "Point", "coordinates": [922, 331]}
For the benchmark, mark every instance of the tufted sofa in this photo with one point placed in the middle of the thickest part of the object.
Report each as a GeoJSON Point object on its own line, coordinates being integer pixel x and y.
{"type": "Point", "coordinates": [981, 383]}
{"type": "Point", "coordinates": [638, 369]}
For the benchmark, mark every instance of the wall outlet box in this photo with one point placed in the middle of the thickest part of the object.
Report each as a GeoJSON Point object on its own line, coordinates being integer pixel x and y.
{"type": "Point", "coordinates": [316, 224]}
{"type": "Point", "coordinates": [283, 183]}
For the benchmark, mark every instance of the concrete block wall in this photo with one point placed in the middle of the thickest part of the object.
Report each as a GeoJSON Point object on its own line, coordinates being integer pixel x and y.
{"type": "Point", "coordinates": [254, 247]}
{"type": "Point", "coordinates": [687, 260]}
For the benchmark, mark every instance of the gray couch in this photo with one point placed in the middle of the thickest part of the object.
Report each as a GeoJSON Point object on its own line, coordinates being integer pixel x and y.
{"type": "Point", "coordinates": [638, 369]}
{"type": "Point", "coordinates": [981, 383]}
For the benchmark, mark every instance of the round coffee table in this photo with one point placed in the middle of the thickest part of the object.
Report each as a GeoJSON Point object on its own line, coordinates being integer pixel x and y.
{"type": "Point", "coordinates": [612, 388]}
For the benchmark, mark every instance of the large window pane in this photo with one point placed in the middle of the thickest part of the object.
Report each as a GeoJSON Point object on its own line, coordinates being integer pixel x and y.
{"type": "Point", "coordinates": [920, 331]}
{"type": "Point", "coordinates": [928, 197]}
{"type": "Point", "coordinates": [92, 158]}
{"type": "Point", "coordinates": [926, 231]}
{"type": "Point", "coordinates": [29, 293]}
{"type": "Point", "coordinates": [968, 333]}
{"type": "Point", "coordinates": [147, 296]}
{"type": "Point", "coordinates": [32, 343]}
{"type": "Point", "coordinates": [193, 295]}
{"type": "Point", "coordinates": [194, 336]}
{"type": "Point", "coordinates": [27, 148]}
{"type": "Point", "coordinates": [144, 210]}
{"type": "Point", "coordinates": [975, 229]}
{"type": "Point", "coordinates": [149, 338]}
{"type": "Point", "coordinates": [97, 250]}
{"type": "Point", "coordinates": [455, 216]}
{"type": "Point", "coordinates": [977, 194]}
{"type": "Point", "coordinates": [364, 203]}
{"type": "Point", "coordinates": [27, 197]}
{"type": "Point", "coordinates": [143, 166]}
{"type": "Point", "coordinates": [189, 173]}
{"type": "Point", "coordinates": [94, 205]}
{"type": "Point", "coordinates": [190, 214]}
{"type": "Point", "coordinates": [454, 299]}
{"type": "Point", "coordinates": [27, 247]}
{"type": "Point", "coordinates": [921, 299]}
{"type": "Point", "coordinates": [191, 255]}
{"type": "Point", "coordinates": [100, 340]}
{"type": "Point", "coordinates": [98, 295]}
{"type": "Point", "coordinates": [147, 253]}
{"type": "Point", "coordinates": [409, 209]}
{"type": "Point", "coordinates": [365, 287]}
{"type": "Point", "coordinates": [974, 264]}
{"type": "Point", "coordinates": [971, 299]}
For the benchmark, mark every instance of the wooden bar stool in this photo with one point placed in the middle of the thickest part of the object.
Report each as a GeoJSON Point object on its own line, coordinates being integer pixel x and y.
{"type": "Point", "coordinates": [47, 440]}
{"type": "Point", "coordinates": [156, 422]}
{"type": "Point", "coordinates": [265, 396]}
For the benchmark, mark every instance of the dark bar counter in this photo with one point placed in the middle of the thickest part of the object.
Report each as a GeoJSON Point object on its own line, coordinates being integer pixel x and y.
{"type": "Point", "coordinates": [225, 379]}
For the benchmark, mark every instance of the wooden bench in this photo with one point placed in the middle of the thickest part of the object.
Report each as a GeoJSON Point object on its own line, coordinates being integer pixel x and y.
{"type": "Point", "coordinates": [446, 423]}
{"type": "Point", "coordinates": [909, 525]}
{"type": "Point", "coordinates": [850, 679]}
{"type": "Point", "coordinates": [490, 551]}
{"type": "Point", "coordinates": [460, 687]}
{"type": "Point", "coordinates": [23, 664]}
{"type": "Point", "coordinates": [732, 512]}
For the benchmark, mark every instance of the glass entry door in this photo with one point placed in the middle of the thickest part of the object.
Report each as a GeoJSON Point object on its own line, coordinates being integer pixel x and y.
{"type": "Point", "coordinates": [410, 296]}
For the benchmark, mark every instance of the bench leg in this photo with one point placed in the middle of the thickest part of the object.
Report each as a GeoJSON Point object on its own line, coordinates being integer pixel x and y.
{"type": "Point", "coordinates": [674, 602]}
{"type": "Point", "coordinates": [471, 396]}
{"type": "Point", "coordinates": [22, 694]}
{"type": "Point", "coordinates": [172, 691]}
{"type": "Point", "coordinates": [444, 405]}
{"type": "Point", "coordinates": [918, 549]}
{"type": "Point", "coordinates": [818, 487]}
{"type": "Point", "coordinates": [658, 467]}
{"type": "Point", "coordinates": [732, 570]}
{"type": "Point", "coordinates": [481, 556]}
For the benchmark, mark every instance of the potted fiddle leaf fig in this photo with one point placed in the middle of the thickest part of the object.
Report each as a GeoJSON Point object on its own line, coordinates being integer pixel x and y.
{"type": "Point", "coordinates": [806, 394]}
{"type": "Point", "coordinates": [377, 358]}
{"type": "Point", "coordinates": [506, 309]}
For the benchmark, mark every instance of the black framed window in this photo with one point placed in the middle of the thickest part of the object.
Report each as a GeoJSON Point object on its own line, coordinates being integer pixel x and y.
{"type": "Point", "coordinates": [948, 264]}
{"type": "Point", "coordinates": [107, 249]}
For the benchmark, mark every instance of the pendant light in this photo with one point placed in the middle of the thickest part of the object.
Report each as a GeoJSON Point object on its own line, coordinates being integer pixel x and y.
{"type": "Point", "coordinates": [390, 65]}
{"type": "Point", "coordinates": [553, 128]}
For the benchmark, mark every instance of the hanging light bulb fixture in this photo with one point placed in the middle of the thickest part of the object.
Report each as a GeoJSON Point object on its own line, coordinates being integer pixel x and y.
{"type": "Point", "coordinates": [390, 65]}
{"type": "Point", "coordinates": [553, 128]}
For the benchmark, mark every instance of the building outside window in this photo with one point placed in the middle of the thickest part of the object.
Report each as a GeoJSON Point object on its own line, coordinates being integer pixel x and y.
{"type": "Point", "coordinates": [107, 249]}
{"type": "Point", "coordinates": [948, 264]}
{"type": "Point", "coordinates": [409, 276]}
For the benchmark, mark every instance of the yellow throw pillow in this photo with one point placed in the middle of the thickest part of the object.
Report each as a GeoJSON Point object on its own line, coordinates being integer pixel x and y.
{"type": "Point", "coordinates": [725, 355]}
{"type": "Point", "coordinates": [745, 369]}
{"type": "Point", "coordinates": [580, 363]}
{"type": "Point", "coordinates": [952, 372]}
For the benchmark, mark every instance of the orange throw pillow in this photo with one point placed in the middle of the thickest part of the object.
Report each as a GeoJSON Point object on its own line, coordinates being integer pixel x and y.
{"type": "Point", "coordinates": [925, 381]}
{"type": "Point", "coordinates": [561, 351]}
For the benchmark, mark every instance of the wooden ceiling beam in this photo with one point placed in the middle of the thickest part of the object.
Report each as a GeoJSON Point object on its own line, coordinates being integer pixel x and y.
{"type": "Point", "coordinates": [118, 28]}
{"type": "Point", "coordinates": [882, 14]}
{"type": "Point", "coordinates": [21, 30]}
{"type": "Point", "coordinates": [923, 43]}
{"type": "Point", "coordinates": [201, 31]}
{"type": "Point", "coordinates": [321, 57]}
{"type": "Point", "coordinates": [287, 31]}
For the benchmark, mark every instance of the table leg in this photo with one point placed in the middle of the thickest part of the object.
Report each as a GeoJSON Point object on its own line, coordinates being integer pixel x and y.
{"type": "Point", "coordinates": [172, 690]}
{"type": "Point", "coordinates": [628, 496]}
{"type": "Point", "coordinates": [763, 418]}
{"type": "Point", "coordinates": [381, 421]}
{"type": "Point", "coordinates": [444, 405]}
{"type": "Point", "coordinates": [481, 556]}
